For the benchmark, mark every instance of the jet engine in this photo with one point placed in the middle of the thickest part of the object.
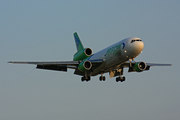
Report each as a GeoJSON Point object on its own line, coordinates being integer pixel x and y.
{"type": "Point", "coordinates": [85, 65]}
{"type": "Point", "coordinates": [83, 54]}
{"type": "Point", "coordinates": [139, 66]}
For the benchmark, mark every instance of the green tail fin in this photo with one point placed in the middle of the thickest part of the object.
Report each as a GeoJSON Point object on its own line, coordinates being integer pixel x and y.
{"type": "Point", "coordinates": [79, 45]}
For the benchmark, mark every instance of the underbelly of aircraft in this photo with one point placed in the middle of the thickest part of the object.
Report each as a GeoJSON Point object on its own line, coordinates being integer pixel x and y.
{"type": "Point", "coordinates": [110, 63]}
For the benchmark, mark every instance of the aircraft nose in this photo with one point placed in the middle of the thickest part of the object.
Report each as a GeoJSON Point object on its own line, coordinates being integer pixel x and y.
{"type": "Point", "coordinates": [137, 48]}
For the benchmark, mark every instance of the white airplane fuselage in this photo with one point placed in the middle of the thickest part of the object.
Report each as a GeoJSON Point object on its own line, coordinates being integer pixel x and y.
{"type": "Point", "coordinates": [118, 53]}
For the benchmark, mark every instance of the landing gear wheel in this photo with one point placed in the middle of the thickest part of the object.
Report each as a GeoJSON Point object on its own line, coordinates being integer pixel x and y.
{"type": "Point", "coordinates": [122, 79]}
{"type": "Point", "coordinates": [82, 79]}
{"type": "Point", "coordinates": [85, 79]}
{"type": "Point", "coordinates": [88, 79]}
{"type": "Point", "coordinates": [117, 79]}
{"type": "Point", "coordinates": [102, 78]}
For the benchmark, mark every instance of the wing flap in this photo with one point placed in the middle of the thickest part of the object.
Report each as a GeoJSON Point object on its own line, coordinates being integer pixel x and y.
{"type": "Point", "coordinates": [52, 67]}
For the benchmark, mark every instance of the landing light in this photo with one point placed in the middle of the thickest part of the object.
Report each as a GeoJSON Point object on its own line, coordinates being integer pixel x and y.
{"type": "Point", "coordinates": [125, 51]}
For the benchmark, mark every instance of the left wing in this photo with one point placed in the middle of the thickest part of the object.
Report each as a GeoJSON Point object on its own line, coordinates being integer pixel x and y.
{"type": "Point", "coordinates": [128, 63]}
{"type": "Point", "coordinates": [140, 66]}
{"type": "Point", "coordinates": [133, 67]}
{"type": "Point", "coordinates": [156, 64]}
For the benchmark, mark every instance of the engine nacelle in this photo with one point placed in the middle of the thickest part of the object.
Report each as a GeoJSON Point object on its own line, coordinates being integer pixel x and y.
{"type": "Point", "coordinates": [85, 65]}
{"type": "Point", "coordinates": [82, 54]}
{"type": "Point", "coordinates": [139, 66]}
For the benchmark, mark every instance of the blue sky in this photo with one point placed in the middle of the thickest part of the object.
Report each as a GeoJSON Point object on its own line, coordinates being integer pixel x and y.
{"type": "Point", "coordinates": [43, 30]}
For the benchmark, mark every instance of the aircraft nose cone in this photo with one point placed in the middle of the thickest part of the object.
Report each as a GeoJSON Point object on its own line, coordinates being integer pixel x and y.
{"type": "Point", "coordinates": [137, 48]}
{"type": "Point", "coordinates": [140, 46]}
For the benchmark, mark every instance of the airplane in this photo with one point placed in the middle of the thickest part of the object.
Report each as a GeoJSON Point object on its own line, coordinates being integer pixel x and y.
{"type": "Point", "coordinates": [112, 59]}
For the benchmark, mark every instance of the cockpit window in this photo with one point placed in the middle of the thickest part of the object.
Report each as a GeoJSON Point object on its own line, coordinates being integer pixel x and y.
{"type": "Point", "coordinates": [135, 40]}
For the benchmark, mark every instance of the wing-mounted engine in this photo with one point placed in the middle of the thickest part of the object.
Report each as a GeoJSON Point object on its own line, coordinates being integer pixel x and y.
{"type": "Point", "coordinates": [85, 66]}
{"type": "Point", "coordinates": [138, 67]}
{"type": "Point", "coordinates": [83, 54]}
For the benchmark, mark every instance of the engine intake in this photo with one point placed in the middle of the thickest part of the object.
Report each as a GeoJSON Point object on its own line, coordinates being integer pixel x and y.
{"type": "Point", "coordinates": [140, 66]}
{"type": "Point", "coordinates": [83, 54]}
{"type": "Point", "coordinates": [88, 51]}
{"type": "Point", "coordinates": [85, 65]}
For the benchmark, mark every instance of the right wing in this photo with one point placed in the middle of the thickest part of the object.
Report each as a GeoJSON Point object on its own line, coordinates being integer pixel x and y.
{"type": "Point", "coordinates": [58, 65]}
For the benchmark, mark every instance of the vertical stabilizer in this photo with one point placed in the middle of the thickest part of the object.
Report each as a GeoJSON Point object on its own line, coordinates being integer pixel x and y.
{"type": "Point", "coordinates": [79, 45]}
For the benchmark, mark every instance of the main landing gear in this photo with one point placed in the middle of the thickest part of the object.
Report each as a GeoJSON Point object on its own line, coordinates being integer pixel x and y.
{"type": "Point", "coordinates": [85, 79]}
{"type": "Point", "coordinates": [122, 79]}
{"type": "Point", "coordinates": [102, 78]}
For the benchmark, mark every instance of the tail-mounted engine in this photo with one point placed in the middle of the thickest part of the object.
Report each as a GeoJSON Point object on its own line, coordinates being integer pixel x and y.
{"type": "Point", "coordinates": [87, 52]}
{"type": "Point", "coordinates": [85, 65]}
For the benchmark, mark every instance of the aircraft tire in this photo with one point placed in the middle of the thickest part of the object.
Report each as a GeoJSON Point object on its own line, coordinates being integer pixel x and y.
{"type": "Point", "coordinates": [100, 78]}
{"type": "Point", "coordinates": [117, 79]}
{"type": "Point", "coordinates": [122, 79]}
{"type": "Point", "coordinates": [88, 79]}
{"type": "Point", "coordinates": [82, 79]}
{"type": "Point", "coordinates": [104, 78]}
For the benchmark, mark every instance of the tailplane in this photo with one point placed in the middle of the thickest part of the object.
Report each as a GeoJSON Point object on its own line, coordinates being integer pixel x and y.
{"type": "Point", "coordinates": [79, 45]}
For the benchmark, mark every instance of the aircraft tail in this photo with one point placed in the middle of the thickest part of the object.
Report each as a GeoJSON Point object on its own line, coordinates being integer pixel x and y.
{"type": "Point", "coordinates": [79, 45]}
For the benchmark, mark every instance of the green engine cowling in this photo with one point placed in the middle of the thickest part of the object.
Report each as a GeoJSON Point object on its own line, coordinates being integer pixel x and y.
{"type": "Point", "coordinates": [87, 52]}
{"type": "Point", "coordinates": [85, 66]}
{"type": "Point", "coordinates": [139, 66]}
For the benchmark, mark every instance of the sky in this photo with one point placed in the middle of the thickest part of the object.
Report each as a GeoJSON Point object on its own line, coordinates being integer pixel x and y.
{"type": "Point", "coordinates": [42, 30]}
